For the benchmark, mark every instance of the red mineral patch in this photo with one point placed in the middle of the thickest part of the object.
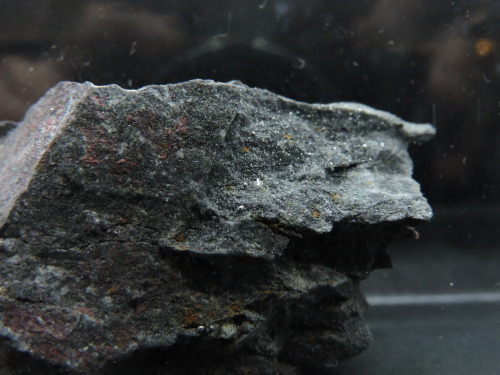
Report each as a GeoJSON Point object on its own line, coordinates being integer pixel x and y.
{"type": "Point", "coordinates": [31, 320]}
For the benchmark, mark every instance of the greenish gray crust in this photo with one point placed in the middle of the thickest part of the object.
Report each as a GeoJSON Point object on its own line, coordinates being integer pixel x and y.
{"type": "Point", "coordinates": [195, 226]}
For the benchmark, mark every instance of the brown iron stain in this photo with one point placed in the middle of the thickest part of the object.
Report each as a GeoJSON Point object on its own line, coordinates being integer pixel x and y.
{"type": "Point", "coordinates": [191, 318]}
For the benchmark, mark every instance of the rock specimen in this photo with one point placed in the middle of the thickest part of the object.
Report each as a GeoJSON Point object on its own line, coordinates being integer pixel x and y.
{"type": "Point", "coordinates": [196, 228]}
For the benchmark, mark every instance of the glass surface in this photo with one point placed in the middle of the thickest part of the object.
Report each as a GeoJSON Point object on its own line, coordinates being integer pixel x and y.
{"type": "Point", "coordinates": [438, 310]}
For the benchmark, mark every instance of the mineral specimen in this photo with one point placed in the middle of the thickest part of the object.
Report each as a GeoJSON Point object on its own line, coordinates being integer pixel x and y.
{"type": "Point", "coordinates": [195, 228]}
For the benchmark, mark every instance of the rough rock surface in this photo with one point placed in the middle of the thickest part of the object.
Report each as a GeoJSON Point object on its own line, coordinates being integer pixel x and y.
{"type": "Point", "coordinates": [196, 228]}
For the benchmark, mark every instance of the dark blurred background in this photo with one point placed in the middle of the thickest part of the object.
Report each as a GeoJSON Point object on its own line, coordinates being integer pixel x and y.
{"type": "Point", "coordinates": [423, 60]}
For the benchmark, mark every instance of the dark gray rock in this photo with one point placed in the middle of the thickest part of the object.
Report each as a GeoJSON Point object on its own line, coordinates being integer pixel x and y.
{"type": "Point", "coordinates": [195, 228]}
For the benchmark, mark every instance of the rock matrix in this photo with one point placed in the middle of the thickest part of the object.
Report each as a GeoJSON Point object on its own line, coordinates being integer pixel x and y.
{"type": "Point", "coordinates": [195, 228]}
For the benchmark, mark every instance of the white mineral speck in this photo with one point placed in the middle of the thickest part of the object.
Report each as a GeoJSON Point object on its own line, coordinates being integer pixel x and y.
{"type": "Point", "coordinates": [228, 331]}
{"type": "Point", "coordinates": [107, 301]}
